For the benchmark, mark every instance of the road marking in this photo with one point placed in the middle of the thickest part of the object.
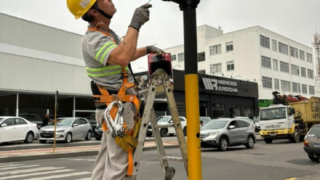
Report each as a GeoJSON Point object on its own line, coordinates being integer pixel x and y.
{"type": "Point", "coordinates": [60, 176]}
{"type": "Point", "coordinates": [9, 165]}
{"type": "Point", "coordinates": [28, 170]}
{"type": "Point", "coordinates": [84, 179]}
{"type": "Point", "coordinates": [35, 174]}
{"type": "Point", "coordinates": [18, 167]}
{"type": "Point", "coordinates": [292, 179]}
{"type": "Point", "coordinates": [83, 159]}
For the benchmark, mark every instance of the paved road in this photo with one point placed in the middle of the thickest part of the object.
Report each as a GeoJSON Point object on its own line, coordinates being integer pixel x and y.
{"type": "Point", "coordinates": [278, 161]}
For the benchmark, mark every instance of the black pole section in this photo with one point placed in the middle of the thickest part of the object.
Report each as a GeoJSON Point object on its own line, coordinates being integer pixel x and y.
{"type": "Point", "coordinates": [190, 40]}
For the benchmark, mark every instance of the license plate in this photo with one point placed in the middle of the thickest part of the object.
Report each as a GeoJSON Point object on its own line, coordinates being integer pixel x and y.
{"type": "Point", "coordinates": [273, 134]}
{"type": "Point", "coordinates": [316, 145]}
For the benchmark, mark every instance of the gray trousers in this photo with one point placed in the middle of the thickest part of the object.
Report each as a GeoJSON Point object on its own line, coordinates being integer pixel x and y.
{"type": "Point", "coordinates": [112, 161]}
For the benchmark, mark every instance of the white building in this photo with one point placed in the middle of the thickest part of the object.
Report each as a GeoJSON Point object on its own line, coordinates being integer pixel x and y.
{"type": "Point", "coordinates": [276, 62]}
{"type": "Point", "coordinates": [37, 60]}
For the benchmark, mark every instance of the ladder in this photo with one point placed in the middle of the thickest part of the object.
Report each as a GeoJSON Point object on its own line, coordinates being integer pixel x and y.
{"type": "Point", "coordinates": [160, 84]}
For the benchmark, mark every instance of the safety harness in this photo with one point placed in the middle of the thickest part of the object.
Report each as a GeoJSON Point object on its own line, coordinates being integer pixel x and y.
{"type": "Point", "coordinates": [124, 136]}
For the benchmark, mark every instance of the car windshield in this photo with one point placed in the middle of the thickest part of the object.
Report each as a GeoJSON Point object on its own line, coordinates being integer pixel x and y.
{"type": "Point", "coordinates": [215, 125]}
{"type": "Point", "coordinates": [63, 122]}
{"type": "Point", "coordinates": [164, 119]}
{"type": "Point", "coordinates": [315, 131]}
{"type": "Point", "coordinates": [272, 113]}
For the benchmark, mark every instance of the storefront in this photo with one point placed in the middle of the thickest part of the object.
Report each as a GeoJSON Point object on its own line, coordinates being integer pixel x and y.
{"type": "Point", "coordinates": [219, 96]}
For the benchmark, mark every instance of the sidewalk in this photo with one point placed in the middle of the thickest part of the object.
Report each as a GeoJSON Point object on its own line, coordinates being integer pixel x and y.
{"type": "Point", "coordinates": [67, 152]}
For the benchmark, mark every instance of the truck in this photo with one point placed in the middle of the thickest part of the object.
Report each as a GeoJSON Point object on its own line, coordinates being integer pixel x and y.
{"type": "Point", "coordinates": [289, 117]}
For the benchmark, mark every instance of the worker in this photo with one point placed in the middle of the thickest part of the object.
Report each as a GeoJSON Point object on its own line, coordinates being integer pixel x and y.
{"type": "Point", "coordinates": [107, 57]}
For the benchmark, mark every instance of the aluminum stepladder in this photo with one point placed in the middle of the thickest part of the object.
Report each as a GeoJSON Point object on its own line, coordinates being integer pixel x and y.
{"type": "Point", "coordinates": [160, 84]}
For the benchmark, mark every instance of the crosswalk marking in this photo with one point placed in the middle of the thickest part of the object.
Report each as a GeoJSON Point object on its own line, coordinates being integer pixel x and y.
{"type": "Point", "coordinates": [60, 176]}
{"type": "Point", "coordinates": [29, 170]}
{"type": "Point", "coordinates": [36, 174]}
{"type": "Point", "coordinates": [9, 165]}
{"type": "Point", "coordinates": [83, 159]}
{"type": "Point", "coordinates": [84, 179]}
{"type": "Point", "coordinates": [18, 167]}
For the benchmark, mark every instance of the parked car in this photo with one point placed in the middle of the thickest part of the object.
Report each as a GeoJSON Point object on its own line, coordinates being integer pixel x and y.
{"type": "Point", "coordinates": [68, 128]}
{"type": "Point", "coordinates": [162, 120]}
{"type": "Point", "coordinates": [34, 118]}
{"type": "Point", "coordinates": [17, 129]}
{"type": "Point", "coordinates": [98, 131]}
{"type": "Point", "coordinates": [226, 132]}
{"type": "Point", "coordinates": [312, 143]}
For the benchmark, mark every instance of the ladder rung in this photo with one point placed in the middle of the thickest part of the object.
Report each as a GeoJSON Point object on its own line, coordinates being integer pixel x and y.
{"type": "Point", "coordinates": [163, 125]}
{"type": "Point", "coordinates": [171, 158]}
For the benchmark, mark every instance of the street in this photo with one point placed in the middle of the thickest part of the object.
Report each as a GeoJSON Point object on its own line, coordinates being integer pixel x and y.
{"type": "Point", "coordinates": [278, 161]}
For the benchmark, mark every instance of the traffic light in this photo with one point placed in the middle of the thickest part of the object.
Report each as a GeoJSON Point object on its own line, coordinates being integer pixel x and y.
{"type": "Point", "coordinates": [185, 3]}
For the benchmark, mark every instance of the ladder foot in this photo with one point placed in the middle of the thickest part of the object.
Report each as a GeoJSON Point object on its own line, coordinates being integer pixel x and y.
{"type": "Point", "coordinates": [170, 171]}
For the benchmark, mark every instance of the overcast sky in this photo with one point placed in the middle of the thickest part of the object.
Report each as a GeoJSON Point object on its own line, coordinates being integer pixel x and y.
{"type": "Point", "coordinates": [295, 19]}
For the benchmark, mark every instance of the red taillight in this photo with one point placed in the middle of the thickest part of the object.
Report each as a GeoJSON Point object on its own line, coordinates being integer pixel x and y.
{"type": "Point", "coordinates": [306, 144]}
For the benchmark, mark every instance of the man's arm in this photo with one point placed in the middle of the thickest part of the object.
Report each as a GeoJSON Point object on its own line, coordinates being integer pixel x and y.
{"type": "Point", "coordinates": [139, 53]}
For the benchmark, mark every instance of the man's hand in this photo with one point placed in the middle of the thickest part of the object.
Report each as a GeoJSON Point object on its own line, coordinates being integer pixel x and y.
{"type": "Point", "coordinates": [140, 16]}
{"type": "Point", "coordinates": [153, 49]}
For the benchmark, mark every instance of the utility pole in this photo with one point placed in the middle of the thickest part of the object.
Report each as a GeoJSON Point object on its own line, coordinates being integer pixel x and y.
{"type": "Point", "coordinates": [191, 87]}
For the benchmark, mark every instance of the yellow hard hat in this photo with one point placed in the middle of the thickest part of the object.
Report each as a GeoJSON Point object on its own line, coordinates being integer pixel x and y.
{"type": "Point", "coordinates": [79, 7]}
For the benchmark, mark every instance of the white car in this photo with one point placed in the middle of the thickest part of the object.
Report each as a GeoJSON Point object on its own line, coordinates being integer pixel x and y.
{"type": "Point", "coordinates": [162, 120]}
{"type": "Point", "coordinates": [17, 129]}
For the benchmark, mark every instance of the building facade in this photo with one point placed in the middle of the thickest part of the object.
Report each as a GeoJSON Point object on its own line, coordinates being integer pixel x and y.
{"type": "Point", "coordinates": [256, 54]}
{"type": "Point", "coordinates": [35, 62]}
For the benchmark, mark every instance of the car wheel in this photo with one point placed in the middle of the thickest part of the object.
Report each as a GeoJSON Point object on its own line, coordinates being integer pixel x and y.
{"type": "Point", "coordinates": [268, 140]}
{"type": "Point", "coordinates": [42, 141]}
{"type": "Point", "coordinates": [68, 138]}
{"type": "Point", "coordinates": [185, 131]}
{"type": "Point", "coordinates": [250, 143]}
{"type": "Point", "coordinates": [29, 138]}
{"type": "Point", "coordinates": [312, 158]}
{"type": "Point", "coordinates": [163, 132]}
{"type": "Point", "coordinates": [89, 135]}
{"type": "Point", "coordinates": [223, 144]}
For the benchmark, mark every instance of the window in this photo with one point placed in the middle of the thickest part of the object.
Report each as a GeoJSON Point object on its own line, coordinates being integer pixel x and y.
{"type": "Point", "coordinates": [20, 121]}
{"type": "Point", "coordinates": [309, 57]}
{"type": "Point", "coordinates": [275, 65]}
{"type": "Point", "coordinates": [77, 121]}
{"type": "Point", "coordinates": [274, 45]}
{"type": "Point", "coordinates": [283, 48]}
{"type": "Point", "coordinates": [173, 57]}
{"type": "Point", "coordinates": [215, 49]}
{"type": "Point", "coordinates": [276, 84]}
{"type": "Point", "coordinates": [294, 52]}
{"type": "Point", "coordinates": [311, 90]}
{"type": "Point", "coordinates": [180, 57]}
{"type": "Point", "coordinates": [301, 53]}
{"type": "Point", "coordinates": [82, 121]}
{"type": "Point", "coordinates": [202, 71]}
{"type": "Point", "coordinates": [229, 46]}
{"type": "Point", "coordinates": [201, 57]}
{"type": "Point", "coordinates": [267, 82]}
{"type": "Point", "coordinates": [296, 87]}
{"type": "Point", "coordinates": [215, 68]}
{"type": "Point", "coordinates": [284, 67]}
{"type": "Point", "coordinates": [9, 122]}
{"type": "Point", "coordinates": [303, 72]}
{"type": "Point", "coordinates": [264, 41]}
{"type": "Point", "coordinates": [285, 85]}
{"type": "Point", "coordinates": [310, 73]}
{"type": "Point", "coordinates": [265, 62]}
{"type": "Point", "coordinates": [295, 69]}
{"type": "Point", "coordinates": [304, 89]}
{"type": "Point", "coordinates": [230, 65]}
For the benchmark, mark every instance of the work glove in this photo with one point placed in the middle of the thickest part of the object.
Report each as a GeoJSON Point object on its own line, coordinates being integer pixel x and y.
{"type": "Point", "coordinates": [153, 49]}
{"type": "Point", "coordinates": [140, 16]}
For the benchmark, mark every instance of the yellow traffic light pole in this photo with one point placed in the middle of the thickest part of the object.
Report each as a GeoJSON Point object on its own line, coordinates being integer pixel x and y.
{"type": "Point", "coordinates": [191, 87]}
